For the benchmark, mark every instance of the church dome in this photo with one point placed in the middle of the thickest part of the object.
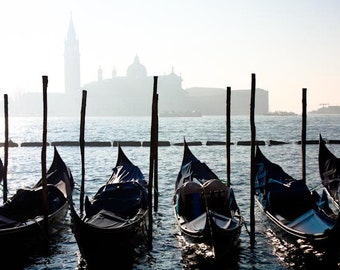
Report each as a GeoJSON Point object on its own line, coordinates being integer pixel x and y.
{"type": "Point", "coordinates": [136, 69]}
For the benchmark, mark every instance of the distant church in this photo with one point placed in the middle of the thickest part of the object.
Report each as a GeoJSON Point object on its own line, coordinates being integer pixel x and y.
{"type": "Point", "coordinates": [122, 95]}
{"type": "Point", "coordinates": [131, 95]}
{"type": "Point", "coordinates": [71, 61]}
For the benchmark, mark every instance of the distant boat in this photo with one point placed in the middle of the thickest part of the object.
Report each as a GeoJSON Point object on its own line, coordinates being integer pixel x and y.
{"type": "Point", "coordinates": [281, 113]}
{"type": "Point", "coordinates": [180, 114]}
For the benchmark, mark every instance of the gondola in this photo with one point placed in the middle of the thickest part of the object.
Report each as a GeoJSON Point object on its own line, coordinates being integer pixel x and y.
{"type": "Point", "coordinates": [329, 168]}
{"type": "Point", "coordinates": [295, 211]}
{"type": "Point", "coordinates": [22, 228]}
{"type": "Point", "coordinates": [205, 208]}
{"type": "Point", "coordinates": [115, 219]}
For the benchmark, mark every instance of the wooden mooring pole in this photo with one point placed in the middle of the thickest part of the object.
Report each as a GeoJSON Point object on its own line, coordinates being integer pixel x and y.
{"type": "Point", "coordinates": [303, 133]}
{"type": "Point", "coordinates": [228, 102]}
{"type": "Point", "coordinates": [82, 151]}
{"type": "Point", "coordinates": [153, 158]}
{"type": "Point", "coordinates": [155, 144]}
{"type": "Point", "coordinates": [252, 161]}
{"type": "Point", "coordinates": [4, 170]}
{"type": "Point", "coordinates": [43, 157]}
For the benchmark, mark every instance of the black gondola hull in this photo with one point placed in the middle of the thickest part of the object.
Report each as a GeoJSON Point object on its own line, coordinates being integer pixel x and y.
{"type": "Point", "coordinates": [205, 208]}
{"type": "Point", "coordinates": [31, 239]}
{"type": "Point", "coordinates": [99, 246]}
{"type": "Point", "coordinates": [22, 227]}
{"type": "Point", "coordinates": [223, 240]}
{"type": "Point", "coordinates": [294, 212]}
{"type": "Point", "coordinates": [320, 239]}
{"type": "Point", "coordinates": [114, 226]}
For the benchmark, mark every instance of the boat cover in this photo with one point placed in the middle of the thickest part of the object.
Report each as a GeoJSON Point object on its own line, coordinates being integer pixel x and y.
{"type": "Point", "coordinates": [280, 193]}
{"type": "Point", "coordinates": [124, 199]}
{"type": "Point", "coordinates": [107, 220]}
{"type": "Point", "coordinates": [329, 168]}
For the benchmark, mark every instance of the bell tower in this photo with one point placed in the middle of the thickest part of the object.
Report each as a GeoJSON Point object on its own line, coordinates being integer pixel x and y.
{"type": "Point", "coordinates": [71, 61]}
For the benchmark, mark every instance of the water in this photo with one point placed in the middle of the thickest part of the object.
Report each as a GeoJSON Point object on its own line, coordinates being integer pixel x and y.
{"type": "Point", "coordinates": [167, 253]}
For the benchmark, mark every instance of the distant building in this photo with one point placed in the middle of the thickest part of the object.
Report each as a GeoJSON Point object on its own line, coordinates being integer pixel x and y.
{"type": "Point", "coordinates": [71, 61]}
{"type": "Point", "coordinates": [212, 101]}
{"type": "Point", "coordinates": [330, 109]}
{"type": "Point", "coordinates": [131, 94]}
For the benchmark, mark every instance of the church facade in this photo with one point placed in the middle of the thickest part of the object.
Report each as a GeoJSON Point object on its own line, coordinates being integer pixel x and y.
{"type": "Point", "coordinates": [131, 95]}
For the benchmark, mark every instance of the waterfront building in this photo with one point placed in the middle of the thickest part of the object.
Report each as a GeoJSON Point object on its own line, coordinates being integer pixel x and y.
{"type": "Point", "coordinates": [130, 94]}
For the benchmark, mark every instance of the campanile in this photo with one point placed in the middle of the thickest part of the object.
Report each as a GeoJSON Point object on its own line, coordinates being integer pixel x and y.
{"type": "Point", "coordinates": [71, 61]}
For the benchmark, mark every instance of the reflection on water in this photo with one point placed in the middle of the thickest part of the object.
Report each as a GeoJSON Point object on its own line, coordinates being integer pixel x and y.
{"type": "Point", "coordinates": [302, 255]}
{"type": "Point", "coordinates": [203, 256]}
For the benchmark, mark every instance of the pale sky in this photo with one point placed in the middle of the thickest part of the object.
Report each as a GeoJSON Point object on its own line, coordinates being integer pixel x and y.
{"type": "Point", "coordinates": [289, 45]}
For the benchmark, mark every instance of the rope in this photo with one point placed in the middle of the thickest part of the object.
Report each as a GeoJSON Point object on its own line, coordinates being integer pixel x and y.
{"type": "Point", "coordinates": [45, 234]}
{"type": "Point", "coordinates": [316, 187]}
{"type": "Point", "coordinates": [78, 186]}
{"type": "Point", "coordinates": [209, 222]}
{"type": "Point", "coordinates": [245, 226]}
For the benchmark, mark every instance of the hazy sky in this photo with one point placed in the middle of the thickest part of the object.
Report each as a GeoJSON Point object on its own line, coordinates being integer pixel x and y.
{"type": "Point", "coordinates": [288, 44]}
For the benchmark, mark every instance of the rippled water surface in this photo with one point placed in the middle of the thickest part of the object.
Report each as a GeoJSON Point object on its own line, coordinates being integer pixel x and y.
{"type": "Point", "coordinates": [169, 251]}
